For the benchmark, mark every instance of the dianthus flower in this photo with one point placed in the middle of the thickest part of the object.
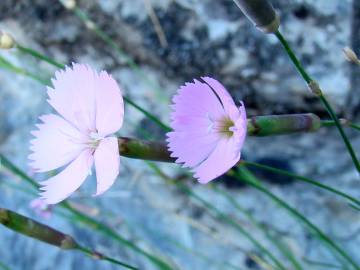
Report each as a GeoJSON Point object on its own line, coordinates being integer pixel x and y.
{"type": "Point", "coordinates": [91, 109]}
{"type": "Point", "coordinates": [208, 129]}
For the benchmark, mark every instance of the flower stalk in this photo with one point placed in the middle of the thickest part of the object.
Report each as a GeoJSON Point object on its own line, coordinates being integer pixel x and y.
{"type": "Point", "coordinates": [256, 126]}
{"type": "Point", "coordinates": [34, 229]}
{"type": "Point", "coordinates": [44, 233]}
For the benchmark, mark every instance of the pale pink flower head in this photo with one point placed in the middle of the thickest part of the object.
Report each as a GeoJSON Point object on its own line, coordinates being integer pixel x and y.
{"type": "Point", "coordinates": [91, 109]}
{"type": "Point", "coordinates": [41, 208]}
{"type": "Point", "coordinates": [208, 129]}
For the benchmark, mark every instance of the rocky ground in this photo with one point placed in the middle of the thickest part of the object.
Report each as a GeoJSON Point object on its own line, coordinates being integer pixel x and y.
{"type": "Point", "coordinates": [200, 38]}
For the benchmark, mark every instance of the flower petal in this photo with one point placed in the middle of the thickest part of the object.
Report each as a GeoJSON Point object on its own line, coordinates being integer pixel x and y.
{"type": "Point", "coordinates": [107, 161]}
{"type": "Point", "coordinates": [222, 93]}
{"type": "Point", "coordinates": [198, 100]}
{"type": "Point", "coordinates": [73, 96]}
{"type": "Point", "coordinates": [196, 108]}
{"type": "Point", "coordinates": [109, 104]}
{"type": "Point", "coordinates": [56, 143]}
{"type": "Point", "coordinates": [182, 145]}
{"type": "Point", "coordinates": [224, 157]}
{"type": "Point", "coordinates": [60, 186]}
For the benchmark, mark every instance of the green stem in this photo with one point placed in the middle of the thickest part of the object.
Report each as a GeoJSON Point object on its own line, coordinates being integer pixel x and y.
{"type": "Point", "coordinates": [293, 57]}
{"type": "Point", "coordinates": [38, 55]}
{"type": "Point", "coordinates": [302, 178]}
{"type": "Point", "coordinates": [44, 233]}
{"type": "Point", "coordinates": [97, 255]}
{"type": "Point", "coordinates": [247, 177]}
{"type": "Point", "coordinates": [218, 214]}
{"type": "Point", "coordinates": [87, 219]}
{"type": "Point", "coordinates": [317, 91]}
{"type": "Point", "coordinates": [113, 235]}
{"type": "Point", "coordinates": [277, 242]}
{"type": "Point", "coordinates": [7, 65]}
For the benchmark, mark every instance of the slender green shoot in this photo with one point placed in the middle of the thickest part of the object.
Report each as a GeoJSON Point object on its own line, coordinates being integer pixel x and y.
{"type": "Point", "coordinates": [84, 219]}
{"type": "Point", "coordinates": [276, 241]}
{"type": "Point", "coordinates": [217, 214]}
{"type": "Point", "coordinates": [302, 178]}
{"type": "Point", "coordinates": [246, 176]}
{"type": "Point", "coordinates": [320, 95]}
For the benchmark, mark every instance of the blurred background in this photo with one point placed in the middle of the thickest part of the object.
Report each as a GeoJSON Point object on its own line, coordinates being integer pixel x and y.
{"type": "Point", "coordinates": [165, 43]}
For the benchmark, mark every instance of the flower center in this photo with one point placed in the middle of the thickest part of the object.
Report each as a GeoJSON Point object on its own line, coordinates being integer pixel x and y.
{"type": "Point", "coordinates": [95, 139]}
{"type": "Point", "coordinates": [224, 126]}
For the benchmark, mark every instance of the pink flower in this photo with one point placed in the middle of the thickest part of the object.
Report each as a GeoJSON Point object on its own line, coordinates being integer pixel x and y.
{"type": "Point", "coordinates": [41, 208]}
{"type": "Point", "coordinates": [209, 130]}
{"type": "Point", "coordinates": [91, 108]}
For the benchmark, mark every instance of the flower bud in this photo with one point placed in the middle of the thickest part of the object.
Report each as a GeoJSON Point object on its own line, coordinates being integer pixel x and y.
{"type": "Point", "coordinates": [6, 41]}
{"type": "Point", "coordinates": [260, 13]}
{"type": "Point", "coordinates": [350, 55]}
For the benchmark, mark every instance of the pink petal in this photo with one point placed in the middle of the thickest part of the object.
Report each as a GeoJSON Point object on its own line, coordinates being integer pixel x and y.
{"type": "Point", "coordinates": [222, 93]}
{"type": "Point", "coordinates": [107, 160]}
{"type": "Point", "coordinates": [73, 96]}
{"type": "Point", "coordinates": [62, 185]}
{"type": "Point", "coordinates": [198, 100]}
{"type": "Point", "coordinates": [223, 158]}
{"type": "Point", "coordinates": [109, 104]}
{"type": "Point", "coordinates": [241, 122]}
{"type": "Point", "coordinates": [182, 146]}
{"type": "Point", "coordinates": [195, 108]}
{"type": "Point", "coordinates": [56, 143]}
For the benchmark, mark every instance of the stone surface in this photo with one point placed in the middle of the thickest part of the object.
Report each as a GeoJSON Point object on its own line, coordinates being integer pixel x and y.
{"type": "Point", "coordinates": [204, 38]}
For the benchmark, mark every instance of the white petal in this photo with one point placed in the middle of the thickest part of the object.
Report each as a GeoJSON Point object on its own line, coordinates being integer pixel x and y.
{"type": "Point", "coordinates": [109, 104]}
{"type": "Point", "coordinates": [62, 185]}
{"type": "Point", "coordinates": [73, 96]}
{"type": "Point", "coordinates": [56, 143]}
{"type": "Point", "coordinates": [107, 160]}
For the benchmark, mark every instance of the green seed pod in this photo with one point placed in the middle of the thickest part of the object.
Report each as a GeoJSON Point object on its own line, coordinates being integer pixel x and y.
{"type": "Point", "coordinates": [260, 13]}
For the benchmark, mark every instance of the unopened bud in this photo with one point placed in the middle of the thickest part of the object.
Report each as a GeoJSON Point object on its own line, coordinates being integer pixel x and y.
{"type": "Point", "coordinates": [260, 13]}
{"type": "Point", "coordinates": [350, 55]}
{"type": "Point", "coordinates": [69, 4]}
{"type": "Point", "coordinates": [6, 41]}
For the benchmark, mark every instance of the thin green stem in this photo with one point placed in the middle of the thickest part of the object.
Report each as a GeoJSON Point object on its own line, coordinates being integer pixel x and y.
{"type": "Point", "coordinates": [293, 57]}
{"type": "Point", "coordinates": [344, 122]}
{"type": "Point", "coordinates": [7, 65]}
{"type": "Point", "coordinates": [322, 264]}
{"type": "Point", "coordinates": [342, 132]}
{"type": "Point", "coordinates": [87, 219]}
{"type": "Point", "coordinates": [277, 242]}
{"type": "Point", "coordinates": [355, 126]}
{"type": "Point", "coordinates": [247, 177]}
{"type": "Point", "coordinates": [320, 95]}
{"type": "Point", "coordinates": [218, 214]}
{"type": "Point", "coordinates": [103, 257]}
{"type": "Point", "coordinates": [109, 232]}
{"type": "Point", "coordinates": [302, 178]}
{"type": "Point", "coordinates": [38, 55]}
{"type": "Point", "coordinates": [41, 232]}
